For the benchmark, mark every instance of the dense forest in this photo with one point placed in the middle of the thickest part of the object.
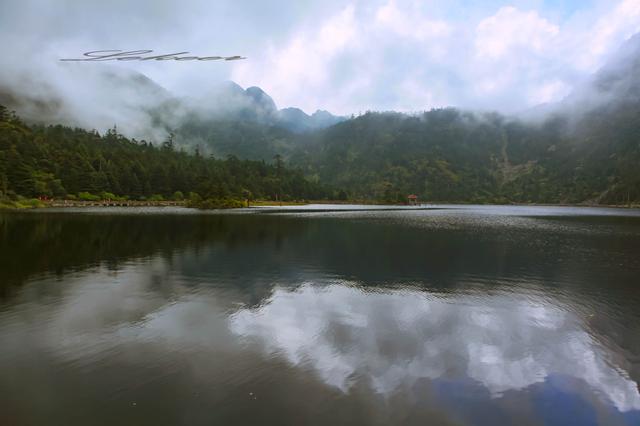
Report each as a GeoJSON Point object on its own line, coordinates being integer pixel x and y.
{"type": "Point", "coordinates": [452, 155]}
{"type": "Point", "coordinates": [62, 162]}
{"type": "Point", "coordinates": [585, 149]}
{"type": "Point", "coordinates": [440, 155]}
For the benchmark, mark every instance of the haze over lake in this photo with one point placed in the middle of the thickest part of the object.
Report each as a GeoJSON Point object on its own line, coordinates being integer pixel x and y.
{"type": "Point", "coordinates": [454, 315]}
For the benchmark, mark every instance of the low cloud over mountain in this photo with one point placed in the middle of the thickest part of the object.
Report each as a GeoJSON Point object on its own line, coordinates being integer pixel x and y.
{"type": "Point", "coordinates": [109, 96]}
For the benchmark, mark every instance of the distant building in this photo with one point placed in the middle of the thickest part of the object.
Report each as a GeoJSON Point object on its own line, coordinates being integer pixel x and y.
{"type": "Point", "coordinates": [413, 199]}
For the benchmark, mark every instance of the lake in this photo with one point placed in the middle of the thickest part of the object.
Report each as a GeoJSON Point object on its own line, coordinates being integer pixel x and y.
{"type": "Point", "coordinates": [451, 315]}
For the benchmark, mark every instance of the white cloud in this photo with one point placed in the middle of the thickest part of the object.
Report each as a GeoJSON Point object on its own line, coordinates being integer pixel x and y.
{"type": "Point", "coordinates": [408, 56]}
{"type": "Point", "coordinates": [608, 32]}
{"type": "Point", "coordinates": [548, 91]}
{"type": "Point", "coordinates": [511, 28]}
{"type": "Point", "coordinates": [345, 61]}
{"type": "Point", "coordinates": [302, 67]}
{"type": "Point", "coordinates": [409, 23]}
{"type": "Point", "coordinates": [342, 55]}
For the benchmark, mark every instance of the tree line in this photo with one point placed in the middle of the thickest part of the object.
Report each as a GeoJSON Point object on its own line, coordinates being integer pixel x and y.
{"type": "Point", "coordinates": [442, 155]}
{"type": "Point", "coordinates": [63, 162]}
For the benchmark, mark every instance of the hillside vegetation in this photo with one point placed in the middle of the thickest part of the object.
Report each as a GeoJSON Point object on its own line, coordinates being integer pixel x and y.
{"type": "Point", "coordinates": [451, 155]}
{"type": "Point", "coordinates": [58, 161]}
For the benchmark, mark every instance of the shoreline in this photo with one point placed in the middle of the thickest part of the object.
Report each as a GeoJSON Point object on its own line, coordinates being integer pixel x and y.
{"type": "Point", "coordinates": [62, 204]}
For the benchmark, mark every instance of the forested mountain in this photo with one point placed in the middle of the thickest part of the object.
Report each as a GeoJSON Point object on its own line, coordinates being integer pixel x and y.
{"type": "Point", "coordinates": [229, 102]}
{"type": "Point", "coordinates": [297, 121]}
{"type": "Point", "coordinates": [585, 149]}
{"type": "Point", "coordinates": [244, 139]}
{"type": "Point", "coordinates": [223, 119]}
{"type": "Point", "coordinates": [232, 121]}
{"type": "Point", "coordinates": [58, 161]}
{"type": "Point", "coordinates": [450, 155]}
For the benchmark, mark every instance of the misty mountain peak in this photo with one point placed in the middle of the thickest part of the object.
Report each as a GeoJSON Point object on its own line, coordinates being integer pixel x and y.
{"type": "Point", "coordinates": [322, 118]}
{"type": "Point", "coordinates": [227, 88]}
{"type": "Point", "coordinates": [614, 86]}
{"type": "Point", "coordinates": [622, 71]}
{"type": "Point", "coordinates": [261, 98]}
{"type": "Point", "coordinates": [293, 113]}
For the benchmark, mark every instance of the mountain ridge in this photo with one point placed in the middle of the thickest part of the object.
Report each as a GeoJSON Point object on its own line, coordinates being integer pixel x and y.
{"type": "Point", "coordinates": [583, 150]}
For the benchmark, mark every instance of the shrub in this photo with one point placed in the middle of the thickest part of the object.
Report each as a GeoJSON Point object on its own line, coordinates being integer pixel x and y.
{"type": "Point", "coordinates": [108, 196]}
{"type": "Point", "coordinates": [86, 196]}
{"type": "Point", "coordinates": [31, 203]}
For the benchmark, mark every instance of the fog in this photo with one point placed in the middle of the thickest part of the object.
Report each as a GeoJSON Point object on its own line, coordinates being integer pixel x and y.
{"type": "Point", "coordinates": [522, 58]}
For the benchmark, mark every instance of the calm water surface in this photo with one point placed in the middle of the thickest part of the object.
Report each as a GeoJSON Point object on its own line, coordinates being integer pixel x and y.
{"type": "Point", "coordinates": [472, 315]}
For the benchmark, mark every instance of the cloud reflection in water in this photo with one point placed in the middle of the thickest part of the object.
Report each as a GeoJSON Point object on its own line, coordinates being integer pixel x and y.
{"type": "Point", "coordinates": [393, 338]}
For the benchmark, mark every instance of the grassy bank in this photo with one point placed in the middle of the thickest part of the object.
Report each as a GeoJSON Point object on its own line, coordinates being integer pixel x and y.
{"type": "Point", "coordinates": [21, 204]}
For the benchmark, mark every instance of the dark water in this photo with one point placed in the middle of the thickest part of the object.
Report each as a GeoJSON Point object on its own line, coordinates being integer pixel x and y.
{"type": "Point", "coordinates": [450, 316]}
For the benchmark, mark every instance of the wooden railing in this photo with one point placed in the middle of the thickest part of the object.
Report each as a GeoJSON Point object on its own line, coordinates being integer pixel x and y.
{"type": "Point", "coordinates": [113, 203]}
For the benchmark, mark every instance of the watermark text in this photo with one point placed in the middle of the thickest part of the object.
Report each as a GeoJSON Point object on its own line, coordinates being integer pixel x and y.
{"type": "Point", "coordinates": [140, 55]}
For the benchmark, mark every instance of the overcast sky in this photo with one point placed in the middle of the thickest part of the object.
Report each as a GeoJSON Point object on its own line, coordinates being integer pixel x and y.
{"type": "Point", "coordinates": [345, 56]}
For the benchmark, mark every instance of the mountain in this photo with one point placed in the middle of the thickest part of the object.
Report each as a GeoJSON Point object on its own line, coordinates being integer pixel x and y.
{"type": "Point", "coordinates": [440, 155]}
{"type": "Point", "coordinates": [614, 85]}
{"type": "Point", "coordinates": [321, 119]}
{"type": "Point", "coordinates": [59, 161]}
{"type": "Point", "coordinates": [261, 100]}
{"type": "Point", "coordinates": [94, 97]}
{"type": "Point", "coordinates": [451, 155]}
{"type": "Point", "coordinates": [231, 102]}
{"type": "Point", "coordinates": [583, 150]}
{"type": "Point", "coordinates": [229, 120]}
{"type": "Point", "coordinates": [294, 119]}
{"type": "Point", "coordinates": [619, 80]}
{"type": "Point", "coordinates": [298, 121]}
{"type": "Point", "coordinates": [222, 120]}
